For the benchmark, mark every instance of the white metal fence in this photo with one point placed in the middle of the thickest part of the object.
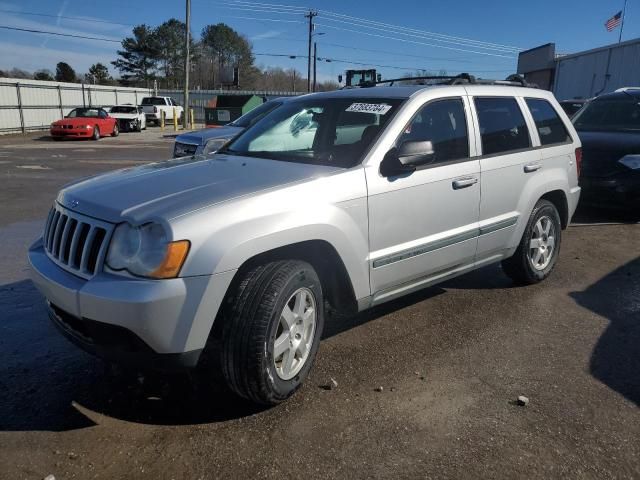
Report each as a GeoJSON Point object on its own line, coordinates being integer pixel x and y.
{"type": "Point", "coordinates": [27, 105]}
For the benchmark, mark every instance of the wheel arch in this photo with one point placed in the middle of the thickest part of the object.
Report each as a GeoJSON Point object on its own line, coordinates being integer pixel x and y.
{"type": "Point", "coordinates": [336, 283]}
{"type": "Point", "coordinates": [559, 200]}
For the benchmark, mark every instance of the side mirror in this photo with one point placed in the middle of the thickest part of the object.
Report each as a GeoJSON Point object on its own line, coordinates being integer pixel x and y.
{"type": "Point", "coordinates": [405, 159]}
{"type": "Point", "coordinates": [416, 153]}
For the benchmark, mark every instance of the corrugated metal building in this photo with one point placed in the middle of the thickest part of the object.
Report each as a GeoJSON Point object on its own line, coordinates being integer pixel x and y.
{"type": "Point", "coordinates": [585, 74]}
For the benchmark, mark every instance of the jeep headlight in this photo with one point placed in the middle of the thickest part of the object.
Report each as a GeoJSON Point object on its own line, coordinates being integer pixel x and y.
{"type": "Point", "coordinates": [145, 251]}
{"type": "Point", "coordinates": [213, 145]}
{"type": "Point", "coordinates": [631, 161]}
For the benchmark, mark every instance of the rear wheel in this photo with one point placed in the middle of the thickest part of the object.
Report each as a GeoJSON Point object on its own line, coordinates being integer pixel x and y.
{"type": "Point", "coordinates": [116, 130]}
{"type": "Point", "coordinates": [96, 133]}
{"type": "Point", "coordinates": [538, 251]}
{"type": "Point", "coordinates": [271, 331]}
{"type": "Point", "coordinates": [138, 125]}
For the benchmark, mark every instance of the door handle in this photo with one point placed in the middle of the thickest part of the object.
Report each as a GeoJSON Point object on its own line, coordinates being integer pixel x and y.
{"type": "Point", "coordinates": [532, 167]}
{"type": "Point", "coordinates": [464, 183]}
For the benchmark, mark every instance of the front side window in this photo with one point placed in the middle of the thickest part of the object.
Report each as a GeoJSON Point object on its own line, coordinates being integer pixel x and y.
{"type": "Point", "coordinates": [618, 114]}
{"type": "Point", "coordinates": [325, 131]}
{"type": "Point", "coordinates": [550, 126]}
{"type": "Point", "coordinates": [444, 124]}
{"type": "Point", "coordinates": [502, 126]}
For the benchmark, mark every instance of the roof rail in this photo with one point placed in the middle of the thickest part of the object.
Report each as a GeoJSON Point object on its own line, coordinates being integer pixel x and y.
{"type": "Point", "coordinates": [461, 79]}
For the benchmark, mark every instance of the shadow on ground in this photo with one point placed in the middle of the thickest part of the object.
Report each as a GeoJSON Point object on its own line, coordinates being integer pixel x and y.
{"type": "Point", "coordinates": [615, 360]}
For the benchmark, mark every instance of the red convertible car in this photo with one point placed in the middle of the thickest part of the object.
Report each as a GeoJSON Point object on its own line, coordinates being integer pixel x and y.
{"type": "Point", "coordinates": [85, 123]}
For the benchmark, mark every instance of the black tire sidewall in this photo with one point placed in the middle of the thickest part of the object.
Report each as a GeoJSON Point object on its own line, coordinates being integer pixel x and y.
{"type": "Point", "coordinates": [116, 130]}
{"type": "Point", "coordinates": [304, 276]}
{"type": "Point", "coordinates": [96, 133]}
{"type": "Point", "coordinates": [543, 208]}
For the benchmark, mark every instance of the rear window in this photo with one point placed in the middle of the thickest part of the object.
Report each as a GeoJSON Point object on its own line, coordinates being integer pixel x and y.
{"type": "Point", "coordinates": [502, 126]}
{"type": "Point", "coordinates": [153, 101]}
{"type": "Point", "coordinates": [612, 114]}
{"type": "Point", "coordinates": [550, 126]}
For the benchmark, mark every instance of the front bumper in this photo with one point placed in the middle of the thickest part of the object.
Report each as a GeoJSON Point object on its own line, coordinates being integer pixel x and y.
{"type": "Point", "coordinates": [160, 323]}
{"type": "Point", "coordinates": [71, 132]}
{"type": "Point", "coordinates": [622, 190]}
{"type": "Point", "coordinates": [128, 124]}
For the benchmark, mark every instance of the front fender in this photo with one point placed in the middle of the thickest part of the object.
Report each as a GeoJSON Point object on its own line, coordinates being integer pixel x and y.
{"type": "Point", "coordinates": [332, 209]}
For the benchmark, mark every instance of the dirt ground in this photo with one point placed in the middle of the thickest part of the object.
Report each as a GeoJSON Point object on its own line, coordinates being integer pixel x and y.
{"type": "Point", "coordinates": [451, 361]}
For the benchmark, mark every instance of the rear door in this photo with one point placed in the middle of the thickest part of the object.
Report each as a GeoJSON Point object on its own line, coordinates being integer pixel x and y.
{"type": "Point", "coordinates": [508, 158]}
{"type": "Point", "coordinates": [424, 224]}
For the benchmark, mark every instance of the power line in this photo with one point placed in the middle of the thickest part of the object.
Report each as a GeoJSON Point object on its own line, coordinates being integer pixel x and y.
{"type": "Point", "coordinates": [262, 19]}
{"type": "Point", "coordinates": [422, 32]}
{"type": "Point", "coordinates": [415, 42]}
{"type": "Point", "coordinates": [471, 44]}
{"type": "Point", "coordinates": [16, 12]}
{"type": "Point", "coordinates": [59, 34]}
{"type": "Point", "coordinates": [269, 5]}
{"type": "Point", "coordinates": [353, 62]}
{"type": "Point", "coordinates": [366, 23]}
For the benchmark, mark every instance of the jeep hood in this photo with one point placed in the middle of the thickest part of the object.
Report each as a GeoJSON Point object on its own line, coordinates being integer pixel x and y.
{"type": "Point", "coordinates": [175, 187]}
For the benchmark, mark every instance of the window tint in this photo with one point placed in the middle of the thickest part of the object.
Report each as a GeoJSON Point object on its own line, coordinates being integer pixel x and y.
{"type": "Point", "coordinates": [444, 124]}
{"type": "Point", "coordinates": [352, 127]}
{"type": "Point", "coordinates": [550, 127]}
{"type": "Point", "coordinates": [502, 126]}
{"type": "Point", "coordinates": [153, 101]}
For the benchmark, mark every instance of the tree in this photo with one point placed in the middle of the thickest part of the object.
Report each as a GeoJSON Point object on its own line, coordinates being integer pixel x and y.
{"type": "Point", "coordinates": [18, 73]}
{"type": "Point", "coordinates": [43, 74]}
{"type": "Point", "coordinates": [227, 47]}
{"type": "Point", "coordinates": [64, 72]}
{"type": "Point", "coordinates": [139, 56]}
{"type": "Point", "coordinates": [170, 40]}
{"type": "Point", "coordinates": [99, 73]}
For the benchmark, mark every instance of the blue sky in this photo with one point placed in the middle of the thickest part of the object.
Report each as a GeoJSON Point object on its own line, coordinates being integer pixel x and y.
{"type": "Point", "coordinates": [506, 25]}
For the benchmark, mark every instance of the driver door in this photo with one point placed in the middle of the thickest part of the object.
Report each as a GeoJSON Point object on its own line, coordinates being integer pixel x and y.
{"type": "Point", "coordinates": [423, 225]}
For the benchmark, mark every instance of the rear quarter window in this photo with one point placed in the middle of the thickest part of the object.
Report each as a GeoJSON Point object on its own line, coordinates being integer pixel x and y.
{"type": "Point", "coordinates": [551, 128]}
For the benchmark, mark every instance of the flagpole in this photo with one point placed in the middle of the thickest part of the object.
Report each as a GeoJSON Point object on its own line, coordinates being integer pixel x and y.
{"type": "Point", "coordinates": [624, 11]}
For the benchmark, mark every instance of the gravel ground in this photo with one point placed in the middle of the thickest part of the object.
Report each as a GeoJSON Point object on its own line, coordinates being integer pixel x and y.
{"type": "Point", "coordinates": [451, 360]}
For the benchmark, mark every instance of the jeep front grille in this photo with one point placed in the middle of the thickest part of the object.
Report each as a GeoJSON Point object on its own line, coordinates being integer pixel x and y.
{"type": "Point", "coordinates": [75, 242]}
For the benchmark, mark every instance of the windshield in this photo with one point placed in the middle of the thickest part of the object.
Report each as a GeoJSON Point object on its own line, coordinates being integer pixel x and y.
{"type": "Point", "coordinates": [324, 131]}
{"type": "Point", "coordinates": [153, 101]}
{"type": "Point", "coordinates": [254, 115]}
{"type": "Point", "coordinates": [609, 114]}
{"type": "Point", "coordinates": [124, 110]}
{"type": "Point", "coordinates": [83, 113]}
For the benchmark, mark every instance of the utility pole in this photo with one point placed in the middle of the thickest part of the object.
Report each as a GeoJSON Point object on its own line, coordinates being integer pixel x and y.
{"type": "Point", "coordinates": [293, 80]}
{"type": "Point", "coordinates": [315, 59]}
{"type": "Point", "coordinates": [187, 67]}
{"type": "Point", "coordinates": [310, 16]}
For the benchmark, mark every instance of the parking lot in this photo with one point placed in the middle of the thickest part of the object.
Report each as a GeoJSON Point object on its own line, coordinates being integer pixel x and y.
{"type": "Point", "coordinates": [426, 384]}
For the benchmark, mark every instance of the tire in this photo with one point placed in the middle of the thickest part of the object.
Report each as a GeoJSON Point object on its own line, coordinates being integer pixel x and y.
{"type": "Point", "coordinates": [139, 126]}
{"type": "Point", "coordinates": [116, 130]}
{"type": "Point", "coordinates": [254, 316]}
{"type": "Point", "coordinates": [532, 265]}
{"type": "Point", "coordinates": [96, 133]}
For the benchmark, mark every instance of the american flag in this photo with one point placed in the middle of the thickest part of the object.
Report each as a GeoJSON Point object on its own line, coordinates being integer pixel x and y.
{"type": "Point", "coordinates": [614, 21]}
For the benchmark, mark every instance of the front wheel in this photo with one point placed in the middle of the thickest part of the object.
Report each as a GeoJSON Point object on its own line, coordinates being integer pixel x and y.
{"type": "Point", "coordinates": [96, 133]}
{"type": "Point", "coordinates": [271, 332]}
{"type": "Point", "coordinates": [538, 251]}
{"type": "Point", "coordinates": [116, 130]}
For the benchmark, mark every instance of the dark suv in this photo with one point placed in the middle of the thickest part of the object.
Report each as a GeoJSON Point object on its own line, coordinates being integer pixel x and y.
{"type": "Point", "coordinates": [609, 127]}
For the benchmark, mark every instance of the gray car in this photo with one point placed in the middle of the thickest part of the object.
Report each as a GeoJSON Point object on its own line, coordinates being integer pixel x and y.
{"type": "Point", "coordinates": [210, 139]}
{"type": "Point", "coordinates": [348, 199]}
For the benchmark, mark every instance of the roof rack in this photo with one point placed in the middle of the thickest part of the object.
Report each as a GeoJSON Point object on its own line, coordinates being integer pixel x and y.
{"type": "Point", "coordinates": [461, 79]}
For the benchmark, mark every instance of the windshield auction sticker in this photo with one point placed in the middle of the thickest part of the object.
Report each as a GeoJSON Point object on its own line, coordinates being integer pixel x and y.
{"type": "Point", "coordinates": [379, 108]}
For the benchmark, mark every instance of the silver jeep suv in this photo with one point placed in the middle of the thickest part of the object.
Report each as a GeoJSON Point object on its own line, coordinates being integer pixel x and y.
{"type": "Point", "coordinates": [339, 200]}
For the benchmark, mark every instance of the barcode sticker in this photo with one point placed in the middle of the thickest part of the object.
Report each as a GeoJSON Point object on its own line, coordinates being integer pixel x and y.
{"type": "Point", "coordinates": [379, 108]}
